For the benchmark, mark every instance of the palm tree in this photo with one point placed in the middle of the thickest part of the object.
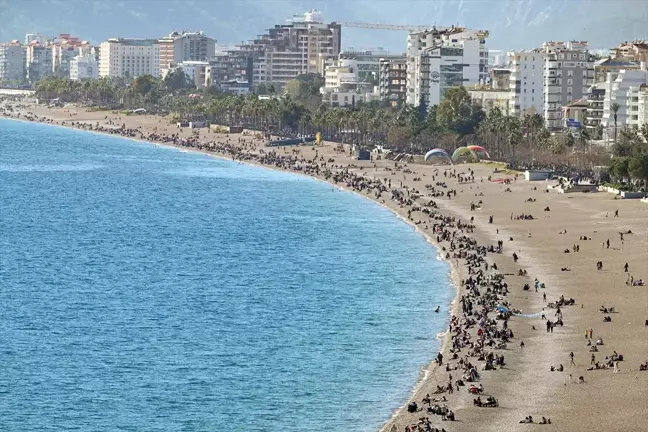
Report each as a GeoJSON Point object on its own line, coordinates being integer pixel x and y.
{"type": "Point", "coordinates": [615, 109]}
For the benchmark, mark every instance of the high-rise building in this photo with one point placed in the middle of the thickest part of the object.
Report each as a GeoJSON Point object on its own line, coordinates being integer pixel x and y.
{"type": "Point", "coordinates": [84, 66]}
{"type": "Point", "coordinates": [642, 99]}
{"type": "Point", "coordinates": [129, 58]}
{"type": "Point", "coordinates": [35, 37]}
{"type": "Point", "coordinates": [624, 91]}
{"type": "Point", "coordinates": [369, 62]}
{"type": "Point", "coordinates": [62, 54]}
{"type": "Point", "coordinates": [12, 61]}
{"type": "Point", "coordinates": [526, 82]}
{"type": "Point", "coordinates": [392, 80]}
{"type": "Point", "coordinates": [343, 85]}
{"type": "Point", "coordinates": [38, 62]}
{"type": "Point", "coordinates": [569, 72]}
{"type": "Point", "coordinates": [288, 50]}
{"type": "Point", "coordinates": [184, 46]}
{"type": "Point", "coordinates": [439, 59]}
{"type": "Point", "coordinates": [594, 112]}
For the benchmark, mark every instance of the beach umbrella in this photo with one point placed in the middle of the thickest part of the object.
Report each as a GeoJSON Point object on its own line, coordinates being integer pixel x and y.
{"type": "Point", "coordinates": [463, 152]}
{"type": "Point", "coordinates": [502, 309]}
{"type": "Point", "coordinates": [480, 149]}
{"type": "Point", "coordinates": [438, 153]}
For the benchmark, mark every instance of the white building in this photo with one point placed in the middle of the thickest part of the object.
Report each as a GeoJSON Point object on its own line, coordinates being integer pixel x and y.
{"type": "Point", "coordinates": [624, 90]}
{"type": "Point", "coordinates": [343, 85]}
{"type": "Point", "coordinates": [12, 61]}
{"type": "Point", "coordinates": [442, 59]}
{"type": "Point", "coordinates": [526, 82]}
{"type": "Point", "coordinates": [62, 55]}
{"type": "Point", "coordinates": [35, 37]}
{"type": "Point", "coordinates": [497, 58]}
{"type": "Point", "coordinates": [196, 71]}
{"type": "Point", "coordinates": [129, 58]}
{"type": "Point", "coordinates": [642, 111]}
{"type": "Point", "coordinates": [183, 46]}
{"type": "Point", "coordinates": [491, 98]}
{"type": "Point", "coordinates": [84, 67]}
{"type": "Point", "coordinates": [568, 75]}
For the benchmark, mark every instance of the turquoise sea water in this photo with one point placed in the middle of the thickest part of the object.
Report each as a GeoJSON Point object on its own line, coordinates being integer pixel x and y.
{"type": "Point", "coordinates": [147, 289]}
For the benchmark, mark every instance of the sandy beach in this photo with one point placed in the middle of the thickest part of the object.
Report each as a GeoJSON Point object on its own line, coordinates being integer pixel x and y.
{"type": "Point", "coordinates": [557, 239]}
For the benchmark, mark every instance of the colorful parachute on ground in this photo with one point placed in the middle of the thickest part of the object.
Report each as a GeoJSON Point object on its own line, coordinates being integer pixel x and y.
{"type": "Point", "coordinates": [437, 152]}
{"type": "Point", "coordinates": [478, 149]}
{"type": "Point", "coordinates": [464, 152]}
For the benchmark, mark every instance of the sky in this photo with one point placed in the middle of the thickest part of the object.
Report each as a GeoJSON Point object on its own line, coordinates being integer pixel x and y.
{"type": "Point", "coordinates": [513, 24]}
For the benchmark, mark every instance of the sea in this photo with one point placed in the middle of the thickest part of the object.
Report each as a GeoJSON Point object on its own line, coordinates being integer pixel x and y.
{"type": "Point", "coordinates": [146, 288]}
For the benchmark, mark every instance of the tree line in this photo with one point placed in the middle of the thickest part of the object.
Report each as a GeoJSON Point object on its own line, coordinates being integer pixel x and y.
{"type": "Point", "coordinates": [455, 122]}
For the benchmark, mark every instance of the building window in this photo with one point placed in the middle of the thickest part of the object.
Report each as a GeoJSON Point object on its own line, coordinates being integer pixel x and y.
{"type": "Point", "coordinates": [569, 81]}
{"type": "Point", "coordinates": [569, 90]}
{"type": "Point", "coordinates": [560, 57]}
{"type": "Point", "coordinates": [570, 73]}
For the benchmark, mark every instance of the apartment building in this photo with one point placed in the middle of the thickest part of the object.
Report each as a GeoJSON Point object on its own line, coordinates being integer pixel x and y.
{"type": "Point", "coordinates": [12, 61]}
{"type": "Point", "coordinates": [62, 55]}
{"type": "Point", "coordinates": [392, 80]}
{"type": "Point", "coordinates": [183, 46]}
{"type": "Point", "coordinates": [84, 66]}
{"type": "Point", "coordinates": [38, 62]}
{"type": "Point", "coordinates": [488, 98]}
{"type": "Point", "coordinates": [35, 37]}
{"type": "Point", "coordinates": [594, 111]}
{"type": "Point", "coordinates": [612, 65]}
{"type": "Point", "coordinates": [288, 50]}
{"type": "Point", "coordinates": [369, 62]}
{"type": "Point", "coordinates": [636, 50]}
{"type": "Point", "coordinates": [642, 111]}
{"type": "Point", "coordinates": [568, 74]}
{"type": "Point", "coordinates": [439, 59]}
{"type": "Point", "coordinates": [129, 58]}
{"type": "Point", "coordinates": [196, 72]}
{"type": "Point", "coordinates": [623, 90]}
{"type": "Point", "coordinates": [233, 65]}
{"type": "Point", "coordinates": [343, 85]}
{"type": "Point", "coordinates": [500, 78]}
{"type": "Point", "coordinates": [497, 58]}
{"type": "Point", "coordinates": [526, 82]}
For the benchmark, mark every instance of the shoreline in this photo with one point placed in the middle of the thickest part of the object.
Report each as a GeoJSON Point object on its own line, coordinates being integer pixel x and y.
{"type": "Point", "coordinates": [453, 274]}
{"type": "Point", "coordinates": [527, 387]}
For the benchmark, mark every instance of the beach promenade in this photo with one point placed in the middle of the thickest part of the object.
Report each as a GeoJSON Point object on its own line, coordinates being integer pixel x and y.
{"type": "Point", "coordinates": [546, 242]}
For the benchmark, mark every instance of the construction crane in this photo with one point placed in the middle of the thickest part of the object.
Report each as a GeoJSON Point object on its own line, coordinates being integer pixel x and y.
{"type": "Point", "coordinates": [482, 34]}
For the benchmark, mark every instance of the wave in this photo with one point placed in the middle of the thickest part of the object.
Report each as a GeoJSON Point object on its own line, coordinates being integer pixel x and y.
{"type": "Point", "coordinates": [48, 168]}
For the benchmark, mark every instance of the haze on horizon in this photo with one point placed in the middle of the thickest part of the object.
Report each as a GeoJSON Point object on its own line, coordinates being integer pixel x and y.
{"type": "Point", "coordinates": [513, 24]}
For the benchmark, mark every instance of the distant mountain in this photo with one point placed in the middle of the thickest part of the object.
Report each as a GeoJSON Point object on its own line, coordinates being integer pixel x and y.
{"type": "Point", "coordinates": [513, 24]}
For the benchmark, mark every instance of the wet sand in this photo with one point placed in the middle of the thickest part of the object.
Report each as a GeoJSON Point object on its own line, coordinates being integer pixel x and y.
{"type": "Point", "coordinates": [525, 386]}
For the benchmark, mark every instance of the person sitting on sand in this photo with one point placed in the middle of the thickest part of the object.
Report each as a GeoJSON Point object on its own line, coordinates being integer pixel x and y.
{"type": "Point", "coordinates": [527, 419]}
{"type": "Point", "coordinates": [545, 421]}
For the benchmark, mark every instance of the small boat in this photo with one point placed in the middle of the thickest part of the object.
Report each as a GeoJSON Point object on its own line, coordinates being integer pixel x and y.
{"type": "Point", "coordinates": [438, 308]}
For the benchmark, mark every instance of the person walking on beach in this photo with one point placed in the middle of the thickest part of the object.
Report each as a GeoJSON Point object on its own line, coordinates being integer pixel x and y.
{"type": "Point", "coordinates": [521, 346]}
{"type": "Point", "coordinates": [625, 268]}
{"type": "Point", "coordinates": [616, 213]}
{"type": "Point", "coordinates": [571, 358]}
